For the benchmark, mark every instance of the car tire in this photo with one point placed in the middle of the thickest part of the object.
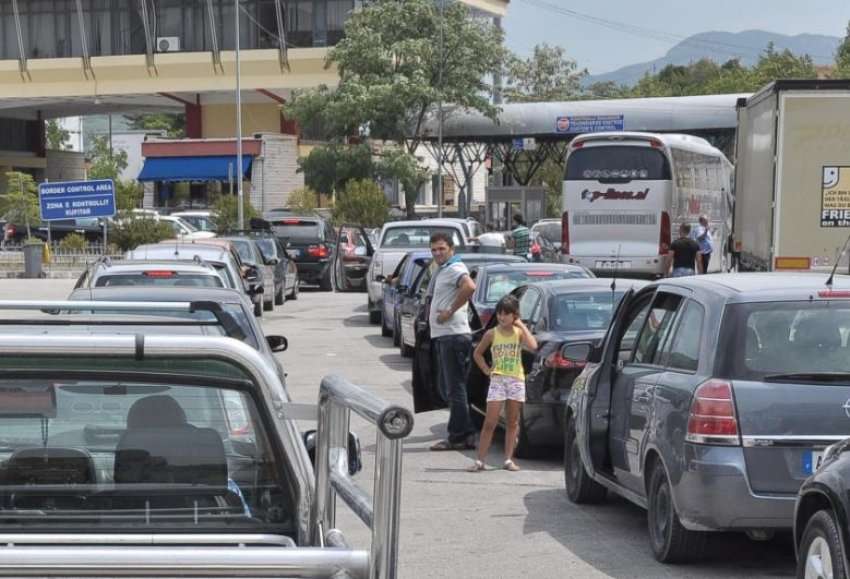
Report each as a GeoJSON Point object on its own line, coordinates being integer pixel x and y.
{"type": "Point", "coordinates": [268, 305]}
{"type": "Point", "coordinates": [671, 542]}
{"type": "Point", "coordinates": [325, 284]}
{"type": "Point", "coordinates": [821, 547]}
{"type": "Point", "coordinates": [524, 447]}
{"type": "Point", "coordinates": [397, 332]}
{"type": "Point", "coordinates": [258, 309]}
{"type": "Point", "coordinates": [293, 295]}
{"type": "Point", "coordinates": [279, 298]}
{"type": "Point", "coordinates": [581, 489]}
{"type": "Point", "coordinates": [386, 331]}
{"type": "Point", "coordinates": [374, 314]}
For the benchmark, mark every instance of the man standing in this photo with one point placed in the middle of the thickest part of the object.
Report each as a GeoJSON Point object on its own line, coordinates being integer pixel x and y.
{"type": "Point", "coordinates": [685, 260]}
{"type": "Point", "coordinates": [450, 290]}
{"type": "Point", "coordinates": [519, 236]}
{"type": "Point", "coordinates": [702, 235]}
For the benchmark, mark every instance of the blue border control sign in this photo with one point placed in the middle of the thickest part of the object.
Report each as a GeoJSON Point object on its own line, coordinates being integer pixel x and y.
{"type": "Point", "coordinates": [589, 124]}
{"type": "Point", "coordinates": [74, 199]}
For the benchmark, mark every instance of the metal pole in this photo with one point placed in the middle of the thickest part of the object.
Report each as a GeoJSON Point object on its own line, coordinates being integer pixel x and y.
{"type": "Point", "coordinates": [110, 137]}
{"type": "Point", "coordinates": [239, 175]}
{"type": "Point", "coordinates": [440, 114]}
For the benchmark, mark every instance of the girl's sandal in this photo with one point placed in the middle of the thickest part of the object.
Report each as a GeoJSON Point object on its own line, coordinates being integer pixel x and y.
{"type": "Point", "coordinates": [477, 466]}
{"type": "Point", "coordinates": [511, 466]}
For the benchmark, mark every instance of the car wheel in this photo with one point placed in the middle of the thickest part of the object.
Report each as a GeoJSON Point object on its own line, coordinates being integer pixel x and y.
{"type": "Point", "coordinates": [279, 298]}
{"type": "Point", "coordinates": [396, 332]}
{"type": "Point", "coordinates": [406, 351]}
{"type": "Point", "coordinates": [524, 447]}
{"type": "Point", "coordinates": [821, 551]}
{"type": "Point", "coordinates": [293, 295]}
{"type": "Point", "coordinates": [374, 314]}
{"type": "Point", "coordinates": [258, 309]}
{"type": "Point", "coordinates": [581, 489]}
{"type": "Point", "coordinates": [325, 283]}
{"type": "Point", "coordinates": [268, 305]}
{"type": "Point", "coordinates": [386, 331]}
{"type": "Point", "coordinates": [670, 541]}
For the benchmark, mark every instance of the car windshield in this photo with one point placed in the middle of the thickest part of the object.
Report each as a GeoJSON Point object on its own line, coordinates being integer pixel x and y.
{"type": "Point", "coordinates": [160, 279]}
{"type": "Point", "coordinates": [297, 231]}
{"type": "Point", "coordinates": [416, 236]}
{"type": "Point", "coordinates": [501, 283]}
{"type": "Point", "coordinates": [550, 231]}
{"type": "Point", "coordinates": [786, 338]}
{"type": "Point", "coordinates": [245, 251]}
{"type": "Point", "coordinates": [582, 312]}
{"type": "Point", "coordinates": [267, 247]}
{"type": "Point", "coordinates": [200, 222]}
{"type": "Point", "coordinates": [119, 455]}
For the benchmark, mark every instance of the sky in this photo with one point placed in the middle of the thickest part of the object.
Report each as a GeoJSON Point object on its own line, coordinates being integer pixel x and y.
{"type": "Point", "coordinates": [641, 30]}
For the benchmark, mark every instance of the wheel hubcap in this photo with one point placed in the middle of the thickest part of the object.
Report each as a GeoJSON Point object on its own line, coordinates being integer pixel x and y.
{"type": "Point", "coordinates": [819, 560]}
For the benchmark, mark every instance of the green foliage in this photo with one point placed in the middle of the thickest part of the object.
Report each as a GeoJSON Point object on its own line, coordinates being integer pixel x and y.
{"type": "Point", "coordinates": [130, 231]}
{"type": "Point", "coordinates": [174, 124]}
{"type": "Point", "coordinates": [57, 137]}
{"type": "Point", "coordinates": [396, 163]}
{"type": "Point", "coordinates": [545, 76]}
{"type": "Point", "coordinates": [328, 168]}
{"type": "Point", "coordinates": [106, 165]}
{"type": "Point", "coordinates": [842, 57]}
{"type": "Point", "coordinates": [20, 203]}
{"type": "Point", "coordinates": [226, 209]}
{"type": "Point", "coordinates": [128, 195]}
{"type": "Point", "coordinates": [390, 65]}
{"type": "Point", "coordinates": [551, 176]}
{"type": "Point", "coordinates": [363, 203]}
{"type": "Point", "coordinates": [73, 242]}
{"type": "Point", "coordinates": [303, 201]}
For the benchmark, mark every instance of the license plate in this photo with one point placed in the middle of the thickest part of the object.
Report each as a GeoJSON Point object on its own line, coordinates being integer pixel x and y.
{"type": "Point", "coordinates": [811, 460]}
{"type": "Point", "coordinates": [295, 252]}
{"type": "Point", "coordinates": [613, 264]}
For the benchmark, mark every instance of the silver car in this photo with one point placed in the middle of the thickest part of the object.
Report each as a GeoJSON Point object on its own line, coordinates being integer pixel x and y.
{"type": "Point", "coordinates": [710, 402]}
{"type": "Point", "coordinates": [150, 273]}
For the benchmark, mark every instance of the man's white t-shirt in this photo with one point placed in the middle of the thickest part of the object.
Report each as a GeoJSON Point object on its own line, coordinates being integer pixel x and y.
{"type": "Point", "coordinates": [444, 288]}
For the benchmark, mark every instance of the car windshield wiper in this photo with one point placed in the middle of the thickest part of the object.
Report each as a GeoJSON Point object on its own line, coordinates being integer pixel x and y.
{"type": "Point", "coordinates": [809, 376]}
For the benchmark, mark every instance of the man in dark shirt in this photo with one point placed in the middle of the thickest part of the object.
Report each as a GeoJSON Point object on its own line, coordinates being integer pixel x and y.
{"type": "Point", "coordinates": [685, 252]}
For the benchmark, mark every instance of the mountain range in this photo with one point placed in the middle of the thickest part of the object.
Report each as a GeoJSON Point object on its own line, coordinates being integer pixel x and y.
{"type": "Point", "coordinates": [722, 46]}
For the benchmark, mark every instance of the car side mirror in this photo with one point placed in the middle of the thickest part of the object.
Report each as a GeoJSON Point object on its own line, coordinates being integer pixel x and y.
{"type": "Point", "coordinates": [277, 343]}
{"type": "Point", "coordinates": [272, 261]}
{"type": "Point", "coordinates": [252, 273]}
{"type": "Point", "coordinates": [380, 278]}
{"type": "Point", "coordinates": [355, 463]}
{"type": "Point", "coordinates": [577, 351]}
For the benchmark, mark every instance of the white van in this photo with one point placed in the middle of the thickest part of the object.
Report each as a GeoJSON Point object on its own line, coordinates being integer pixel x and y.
{"type": "Point", "coordinates": [625, 195]}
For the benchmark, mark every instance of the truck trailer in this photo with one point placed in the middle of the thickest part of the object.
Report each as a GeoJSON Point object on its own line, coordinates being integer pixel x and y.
{"type": "Point", "coordinates": [792, 176]}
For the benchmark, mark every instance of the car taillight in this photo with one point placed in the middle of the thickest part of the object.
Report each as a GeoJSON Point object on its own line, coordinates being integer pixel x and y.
{"type": "Point", "coordinates": [666, 237]}
{"type": "Point", "coordinates": [535, 248]}
{"type": "Point", "coordinates": [565, 232]}
{"type": "Point", "coordinates": [320, 250]}
{"type": "Point", "coordinates": [159, 273]}
{"type": "Point", "coordinates": [712, 419]}
{"type": "Point", "coordinates": [555, 360]}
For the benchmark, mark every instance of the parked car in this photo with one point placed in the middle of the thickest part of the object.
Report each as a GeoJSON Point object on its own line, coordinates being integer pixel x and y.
{"type": "Point", "coordinates": [400, 237]}
{"type": "Point", "coordinates": [252, 274]}
{"type": "Point", "coordinates": [311, 242]}
{"type": "Point", "coordinates": [550, 230]}
{"type": "Point", "coordinates": [285, 271]}
{"type": "Point", "coordinates": [395, 285]}
{"type": "Point", "coordinates": [161, 273]}
{"type": "Point", "coordinates": [183, 230]}
{"type": "Point", "coordinates": [91, 228]}
{"type": "Point", "coordinates": [222, 256]}
{"type": "Point", "coordinates": [250, 254]}
{"type": "Point", "coordinates": [200, 220]}
{"type": "Point", "coordinates": [181, 455]}
{"type": "Point", "coordinates": [493, 281]}
{"type": "Point", "coordinates": [351, 259]}
{"type": "Point", "coordinates": [709, 403]}
{"type": "Point", "coordinates": [411, 302]}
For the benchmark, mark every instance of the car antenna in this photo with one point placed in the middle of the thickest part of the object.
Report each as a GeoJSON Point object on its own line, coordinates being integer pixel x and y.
{"type": "Point", "coordinates": [616, 265]}
{"type": "Point", "coordinates": [834, 267]}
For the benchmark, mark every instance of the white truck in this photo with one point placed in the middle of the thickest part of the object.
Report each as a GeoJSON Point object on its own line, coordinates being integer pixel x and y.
{"type": "Point", "coordinates": [792, 176]}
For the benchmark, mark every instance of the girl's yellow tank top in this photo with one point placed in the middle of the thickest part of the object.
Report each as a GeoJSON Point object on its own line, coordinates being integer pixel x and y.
{"type": "Point", "coordinates": [507, 354]}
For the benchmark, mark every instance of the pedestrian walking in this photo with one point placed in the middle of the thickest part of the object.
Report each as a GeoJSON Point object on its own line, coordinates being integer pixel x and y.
{"type": "Point", "coordinates": [702, 235]}
{"type": "Point", "coordinates": [685, 260]}
{"type": "Point", "coordinates": [450, 290]}
{"type": "Point", "coordinates": [507, 378]}
{"type": "Point", "coordinates": [519, 236]}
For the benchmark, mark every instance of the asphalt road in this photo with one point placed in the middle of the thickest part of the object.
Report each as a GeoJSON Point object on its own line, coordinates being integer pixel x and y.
{"type": "Point", "coordinates": [494, 524]}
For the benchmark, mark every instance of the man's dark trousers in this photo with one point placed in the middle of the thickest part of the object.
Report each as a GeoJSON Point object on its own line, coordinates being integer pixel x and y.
{"type": "Point", "coordinates": [453, 359]}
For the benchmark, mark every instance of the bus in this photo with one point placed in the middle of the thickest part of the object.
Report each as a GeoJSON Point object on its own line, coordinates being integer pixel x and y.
{"type": "Point", "coordinates": [625, 194]}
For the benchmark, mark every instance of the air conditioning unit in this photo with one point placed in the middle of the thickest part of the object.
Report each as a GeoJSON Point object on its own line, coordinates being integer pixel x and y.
{"type": "Point", "coordinates": [168, 44]}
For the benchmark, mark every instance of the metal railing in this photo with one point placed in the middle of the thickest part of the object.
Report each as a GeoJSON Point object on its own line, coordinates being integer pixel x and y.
{"type": "Point", "coordinates": [337, 398]}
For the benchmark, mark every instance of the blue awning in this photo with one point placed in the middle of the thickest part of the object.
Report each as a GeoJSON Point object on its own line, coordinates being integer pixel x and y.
{"type": "Point", "coordinates": [193, 168]}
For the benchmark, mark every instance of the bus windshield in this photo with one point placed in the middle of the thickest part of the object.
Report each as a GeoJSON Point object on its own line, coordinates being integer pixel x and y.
{"type": "Point", "coordinates": [618, 163]}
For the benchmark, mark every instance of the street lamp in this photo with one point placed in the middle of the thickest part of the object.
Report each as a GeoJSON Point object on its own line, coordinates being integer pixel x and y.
{"type": "Point", "coordinates": [440, 119]}
{"type": "Point", "coordinates": [239, 175]}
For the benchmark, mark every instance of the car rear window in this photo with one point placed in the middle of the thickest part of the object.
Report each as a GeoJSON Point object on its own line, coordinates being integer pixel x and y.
{"type": "Point", "coordinates": [785, 338]}
{"type": "Point", "coordinates": [582, 312]}
{"type": "Point", "coordinates": [501, 283]}
{"type": "Point", "coordinates": [159, 279]}
{"type": "Point", "coordinates": [297, 230]}
{"type": "Point", "coordinates": [550, 231]}
{"type": "Point", "coordinates": [96, 455]}
{"type": "Point", "coordinates": [618, 163]}
{"type": "Point", "coordinates": [416, 237]}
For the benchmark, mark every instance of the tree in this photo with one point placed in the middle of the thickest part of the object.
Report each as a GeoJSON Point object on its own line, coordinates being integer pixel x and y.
{"type": "Point", "coordinates": [392, 72]}
{"type": "Point", "coordinates": [106, 164]}
{"type": "Point", "coordinates": [547, 75]}
{"type": "Point", "coordinates": [328, 168]}
{"type": "Point", "coordinates": [397, 163]}
{"type": "Point", "coordinates": [842, 57]}
{"type": "Point", "coordinates": [174, 124]}
{"type": "Point", "coordinates": [135, 230]}
{"type": "Point", "coordinates": [363, 202]}
{"type": "Point", "coordinates": [226, 209]}
{"type": "Point", "coordinates": [302, 201]}
{"type": "Point", "coordinates": [773, 65]}
{"type": "Point", "coordinates": [551, 177]}
{"type": "Point", "coordinates": [57, 137]}
{"type": "Point", "coordinates": [20, 203]}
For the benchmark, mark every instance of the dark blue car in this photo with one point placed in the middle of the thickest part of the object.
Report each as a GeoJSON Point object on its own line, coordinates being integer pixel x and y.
{"type": "Point", "coordinates": [401, 279]}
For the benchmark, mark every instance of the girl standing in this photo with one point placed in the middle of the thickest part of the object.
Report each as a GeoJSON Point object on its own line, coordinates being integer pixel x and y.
{"type": "Point", "coordinates": [507, 378]}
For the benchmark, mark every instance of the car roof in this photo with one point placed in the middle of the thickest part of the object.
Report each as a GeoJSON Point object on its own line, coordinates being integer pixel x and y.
{"type": "Point", "coordinates": [163, 294]}
{"type": "Point", "coordinates": [138, 265]}
{"type": "Point", "coordinates": [530, 266]}
{"type": "Point", "coordinates": [561, 286]}
{"type": "Point", "coordinates": [761, 286]}
{"type": "Point", "coordinates": [447, 222]}
{"type": "Point", "coordinates": [158, 250]}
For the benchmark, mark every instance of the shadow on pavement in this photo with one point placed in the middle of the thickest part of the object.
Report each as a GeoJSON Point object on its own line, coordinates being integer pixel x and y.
{"type": "Point", "coordinates": [357, 321]}
{"type": "Point", "coordinates": [376, 340]}
{"type": "Point", "coordinates": [612, 538]}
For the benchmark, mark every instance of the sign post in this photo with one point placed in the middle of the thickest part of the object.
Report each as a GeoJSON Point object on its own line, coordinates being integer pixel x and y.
{"type": "Point", "coordinates": [77, 199]}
